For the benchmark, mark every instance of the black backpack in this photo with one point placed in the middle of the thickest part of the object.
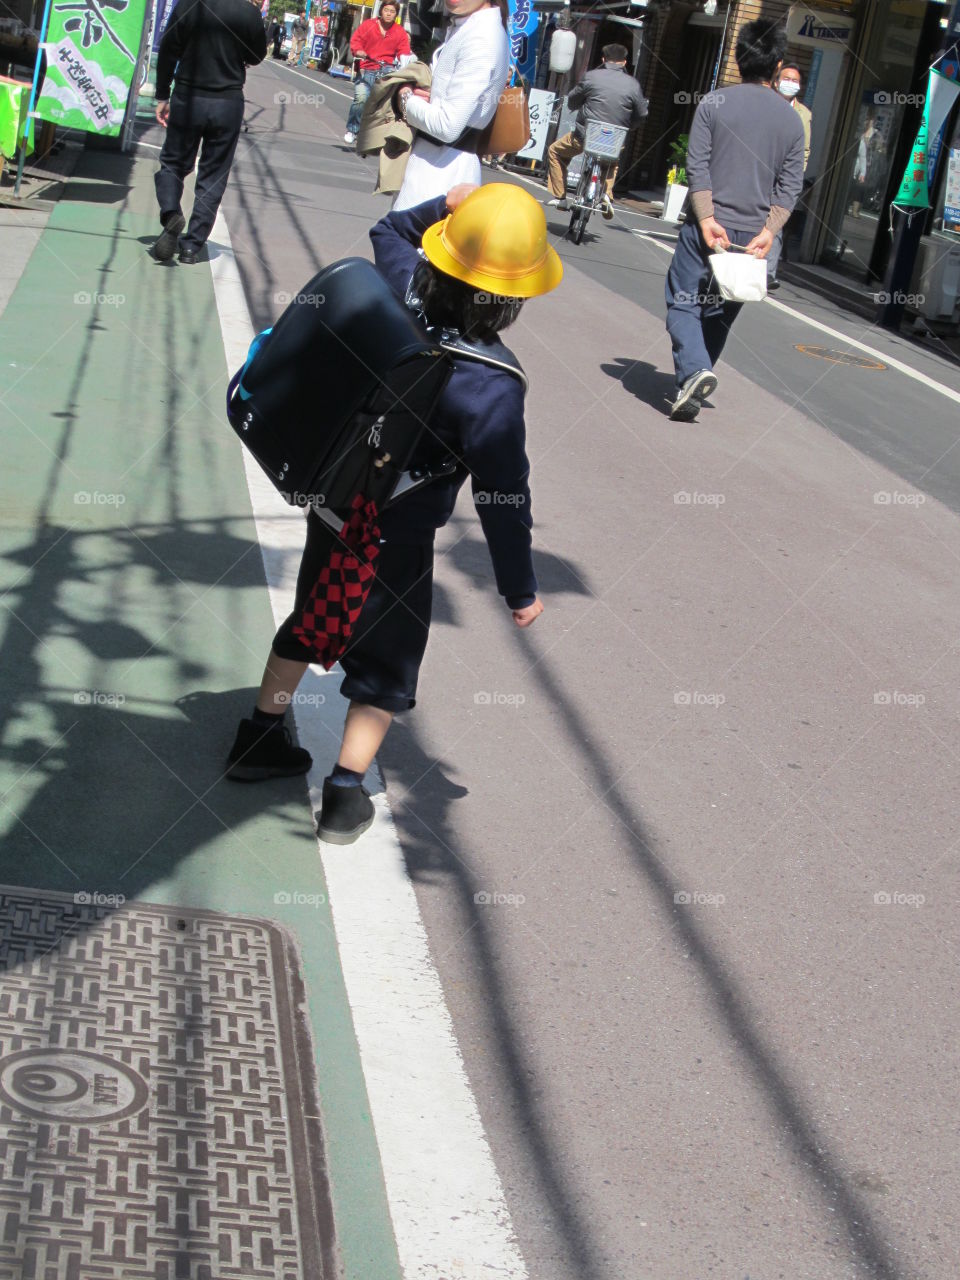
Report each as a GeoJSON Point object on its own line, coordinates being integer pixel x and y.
{"type": "Point", "coordinates": [333, 399]}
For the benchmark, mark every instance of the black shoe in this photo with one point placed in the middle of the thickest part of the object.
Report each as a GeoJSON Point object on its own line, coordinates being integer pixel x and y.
{"type": "Point", "coordinates": [189, 256]}
{"type": "Point", "coordinates": [692, 394]}
{"type": "Point", "coordinates": [258, 753]}
{"type": "Point", "coordinates": [346, 813]}
{"type": "Point", "coordinates": [165, 245]}
{"type": "Point", "coordinates": [773, 284]}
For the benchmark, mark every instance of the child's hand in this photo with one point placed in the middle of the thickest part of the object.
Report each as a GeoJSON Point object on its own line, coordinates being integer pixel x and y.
{"type": "Point", "coordinates": [524, 617]}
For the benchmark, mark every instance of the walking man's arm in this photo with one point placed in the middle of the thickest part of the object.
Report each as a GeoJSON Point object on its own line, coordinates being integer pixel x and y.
{"type": "Point", "coordinates": [786, 192]}
{"type": "Point", "coordinates": [699, 149]}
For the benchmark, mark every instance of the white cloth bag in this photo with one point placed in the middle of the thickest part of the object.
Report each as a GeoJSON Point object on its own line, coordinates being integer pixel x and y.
{"type": "Point", "coordinates": [740, 277]}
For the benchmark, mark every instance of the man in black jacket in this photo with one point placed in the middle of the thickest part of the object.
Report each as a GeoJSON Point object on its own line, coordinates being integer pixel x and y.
{"type": "Point", "coordinates": [206, 48]}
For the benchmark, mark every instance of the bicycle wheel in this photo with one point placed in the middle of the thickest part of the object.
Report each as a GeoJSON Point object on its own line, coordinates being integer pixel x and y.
{"type": "Point", "coordinates": [578, 224]}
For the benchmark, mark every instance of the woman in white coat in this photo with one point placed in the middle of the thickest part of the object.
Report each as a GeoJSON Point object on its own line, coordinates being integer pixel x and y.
{"type": "Point", "coordinates": [470, 70]}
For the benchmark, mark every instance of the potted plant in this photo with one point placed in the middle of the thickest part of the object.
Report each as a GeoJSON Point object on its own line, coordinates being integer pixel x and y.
{"type": "Point", "coordinates": [676, 193]}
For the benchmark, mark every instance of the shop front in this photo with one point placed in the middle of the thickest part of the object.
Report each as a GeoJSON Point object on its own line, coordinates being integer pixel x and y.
{"type": "Point", "coordinates": [866, 83]}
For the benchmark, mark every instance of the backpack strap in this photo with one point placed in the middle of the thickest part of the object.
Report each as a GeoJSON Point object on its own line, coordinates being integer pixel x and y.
{"type": "Point", "coordinates": [493, 353]}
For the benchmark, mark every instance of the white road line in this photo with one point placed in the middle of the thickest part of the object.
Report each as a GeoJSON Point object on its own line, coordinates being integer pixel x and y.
{"type": "Point", "coordinates": [313, 80]}
{"type": "Point", "coordinates": [892, 361]}
{"type": "Point", "coordinates": [446, 1202]}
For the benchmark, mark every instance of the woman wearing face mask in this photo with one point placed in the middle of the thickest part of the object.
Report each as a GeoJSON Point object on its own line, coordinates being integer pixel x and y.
{"type": "Point", "coordinates": [470, 69]}
{"type": "Point", "coordinates": [788, 84]}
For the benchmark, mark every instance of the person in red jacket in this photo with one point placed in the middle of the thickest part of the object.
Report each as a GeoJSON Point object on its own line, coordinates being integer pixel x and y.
{"type": "Point", "coordinates": [376, 43]}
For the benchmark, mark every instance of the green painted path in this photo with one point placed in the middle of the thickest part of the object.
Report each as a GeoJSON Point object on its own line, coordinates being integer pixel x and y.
{"type": "Point", "coordinates": [134, 624]}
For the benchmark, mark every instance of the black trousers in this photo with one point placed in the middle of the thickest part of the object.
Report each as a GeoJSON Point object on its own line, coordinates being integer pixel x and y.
{"type": "Point", "coordinates": [382, 660]}
{"type": "Point", "coordinates": [210, 124]}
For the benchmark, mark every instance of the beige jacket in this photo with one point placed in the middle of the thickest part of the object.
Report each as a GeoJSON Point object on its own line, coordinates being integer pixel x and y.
{"type": "Point", "coordinates": [381, 130]}
{"type": "Point", "coordinates": [805, 118]}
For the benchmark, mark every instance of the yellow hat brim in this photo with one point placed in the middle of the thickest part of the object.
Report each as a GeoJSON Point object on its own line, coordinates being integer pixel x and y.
{"type": "Point", "coordinates": [529, 284]}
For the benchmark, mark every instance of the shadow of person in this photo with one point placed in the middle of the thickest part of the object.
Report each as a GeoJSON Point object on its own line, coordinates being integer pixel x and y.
{"type": "Point", "coordinates": [421, 795]}
{"type": "Point", "coordinates": [649, 384]}
{"type": "Point", "coordinates": [470, 555]}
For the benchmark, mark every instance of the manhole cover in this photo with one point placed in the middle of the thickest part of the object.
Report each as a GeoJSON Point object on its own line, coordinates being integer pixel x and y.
{"type": "Point", "coordinates": [157, 1114]}
{"type": "Point", "coordinates": [840, 357]}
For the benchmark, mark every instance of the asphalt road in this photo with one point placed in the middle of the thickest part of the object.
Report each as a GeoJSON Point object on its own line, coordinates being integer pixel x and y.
{"type": "Point", "coordinates": [710, 1018]}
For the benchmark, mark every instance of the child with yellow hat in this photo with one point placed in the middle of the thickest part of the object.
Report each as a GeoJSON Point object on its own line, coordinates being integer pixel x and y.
{"type": "Point", "coordinates": [465, 263]}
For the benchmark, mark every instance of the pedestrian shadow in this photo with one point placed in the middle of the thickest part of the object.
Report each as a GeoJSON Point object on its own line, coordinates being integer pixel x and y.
{"type": "Point", "coordinates": [422, 790]}
{"type": "Point", "coordinates": [471, 556]}
{"type": "Point", "coordinates": [421, 793]}
{"type": "Point", "coordinates": [650, 385]}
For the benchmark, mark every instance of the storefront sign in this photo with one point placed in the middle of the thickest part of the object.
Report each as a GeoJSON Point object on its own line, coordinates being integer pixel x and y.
{"type": "Point", "coordinates": [522, 30]}
{"type": "Point", "coordinates": [541, 105]}
{"type": "Point", "coordinates": [951, 199]}
{"type": "Point", "coordinates": [91, 48]}
{"type": "Point", "coordinates": [806, 26]}
{"type": "Point", "coordinates": [162, 9]}
{"type": "Point", "coordinates": [918, 176]}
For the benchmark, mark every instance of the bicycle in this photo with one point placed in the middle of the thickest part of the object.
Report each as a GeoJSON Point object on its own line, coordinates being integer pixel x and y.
{"type": "Point", "coordinates": [602, 145]}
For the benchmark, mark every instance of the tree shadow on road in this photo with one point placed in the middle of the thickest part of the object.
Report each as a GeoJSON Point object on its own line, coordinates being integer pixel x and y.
{"type": "Point", "coordinates": [422, 795]}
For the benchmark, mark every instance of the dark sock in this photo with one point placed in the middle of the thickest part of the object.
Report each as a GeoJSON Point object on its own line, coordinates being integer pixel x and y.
{"type": "Point", "coordinates": [341, 777]}
{"type": "Point", "coordinates": [266, 719]}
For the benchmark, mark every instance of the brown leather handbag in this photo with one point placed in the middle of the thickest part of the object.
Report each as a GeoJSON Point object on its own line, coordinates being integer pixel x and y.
{"type": "Point", "coordinates": [509, 130]}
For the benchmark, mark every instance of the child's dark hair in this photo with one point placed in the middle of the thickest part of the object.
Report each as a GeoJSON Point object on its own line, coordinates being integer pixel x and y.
{"type": "Point", "coordinates": [761, 47]}
{"type": "Point", "coordinates": [476, 314]}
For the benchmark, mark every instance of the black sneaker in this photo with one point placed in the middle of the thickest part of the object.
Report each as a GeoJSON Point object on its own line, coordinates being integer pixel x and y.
{"type": "Point", "coordinates": [773, 284]}
{"type": "Point", "coordinates": [691, 395]}
{"type": "Point", "coordinates": [258, 753]}
{"type": "Point", "coordinates": [345, 815]}
{"type": "Point", "coordinates": [188, 257]}
{"type": "Point", "coordinates": [165, 245]}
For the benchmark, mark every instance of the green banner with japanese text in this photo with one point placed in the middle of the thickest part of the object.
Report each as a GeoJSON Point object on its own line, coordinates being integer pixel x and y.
{"type": "Point", "coordinates": [919, 175]}
{"type": "Point", "coordinates": [92, 48]}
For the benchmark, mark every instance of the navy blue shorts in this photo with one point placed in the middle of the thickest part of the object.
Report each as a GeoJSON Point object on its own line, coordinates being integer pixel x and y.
{"type": "Point", "coordinates": [382, 660]}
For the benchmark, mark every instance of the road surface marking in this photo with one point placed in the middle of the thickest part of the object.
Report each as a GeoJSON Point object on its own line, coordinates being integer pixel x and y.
{"type": "Point", "coordinates": [312, 79]}
{"type": "Point", "coordinates": [446, 1201]}
{"type": "Point", "coordinates": [892, 361]}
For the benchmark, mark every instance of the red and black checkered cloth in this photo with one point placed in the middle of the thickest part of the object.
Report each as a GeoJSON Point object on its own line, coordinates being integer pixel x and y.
{"type": "Point", "coordinates": [338, 595]}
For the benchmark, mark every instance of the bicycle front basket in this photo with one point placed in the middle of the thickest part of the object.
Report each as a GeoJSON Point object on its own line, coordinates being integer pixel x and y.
{"type": "Point", "coordinates": [604, 140]}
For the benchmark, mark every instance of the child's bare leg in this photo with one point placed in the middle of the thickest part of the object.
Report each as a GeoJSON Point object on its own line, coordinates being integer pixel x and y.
{"type": "Point", "coordinates": [363, 736]}
{"type": "Point", "coordinates": [281, 676]}
{"type": "Point", "coordinates": [347, 809]}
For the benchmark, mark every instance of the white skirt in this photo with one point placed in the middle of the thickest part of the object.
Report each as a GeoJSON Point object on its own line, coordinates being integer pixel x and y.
{"type": "Point", "coordinates": [432, 170]}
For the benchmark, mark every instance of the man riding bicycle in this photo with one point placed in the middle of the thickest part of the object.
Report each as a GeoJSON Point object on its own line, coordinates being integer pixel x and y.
{"type": "Point", "coordinates": [376, 45]}
{"type": "Point", "coordinates": [609, 94]}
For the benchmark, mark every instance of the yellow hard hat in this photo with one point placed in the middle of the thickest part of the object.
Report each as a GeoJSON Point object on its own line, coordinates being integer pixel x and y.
{"type": "Point", "coordinates": [496, 239]}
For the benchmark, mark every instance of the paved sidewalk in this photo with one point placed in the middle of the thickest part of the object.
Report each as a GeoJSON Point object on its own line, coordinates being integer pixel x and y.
{"type": "Point", "coordinates": [172, 1006]}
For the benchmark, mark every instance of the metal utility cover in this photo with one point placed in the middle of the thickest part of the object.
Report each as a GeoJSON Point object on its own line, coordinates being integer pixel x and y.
{"type": "Point", "coordinates": [157, 1110]}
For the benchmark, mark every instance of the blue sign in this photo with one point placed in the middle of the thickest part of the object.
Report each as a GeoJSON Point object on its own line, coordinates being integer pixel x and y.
{"type": "Point", "coordinates": [522, 30]}
{"type": "Point", "coordinates": [318, 46]}
{"type": "Point", "coordinates": [162, 16]}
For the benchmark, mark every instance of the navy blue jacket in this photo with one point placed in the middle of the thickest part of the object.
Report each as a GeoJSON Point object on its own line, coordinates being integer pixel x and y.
{"type": "Point", "coordinates": [479, 421]}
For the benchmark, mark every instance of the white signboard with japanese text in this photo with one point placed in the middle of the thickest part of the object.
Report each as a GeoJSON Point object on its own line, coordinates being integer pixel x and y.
{"type": "Point", "coordinates": [541, 104]}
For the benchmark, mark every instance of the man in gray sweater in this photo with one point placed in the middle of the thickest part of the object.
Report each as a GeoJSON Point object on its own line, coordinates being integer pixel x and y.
{"type": "Point", "coordinates": [745, 170]}
{"type": "Point", "coordinates": [609, 94]}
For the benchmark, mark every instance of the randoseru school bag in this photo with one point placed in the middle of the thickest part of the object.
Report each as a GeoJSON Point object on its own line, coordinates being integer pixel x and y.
{"type": "Point", "coordinates": [333, 399]}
